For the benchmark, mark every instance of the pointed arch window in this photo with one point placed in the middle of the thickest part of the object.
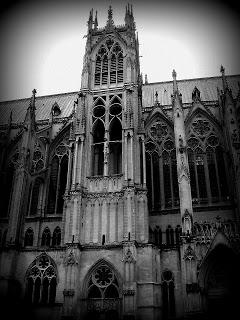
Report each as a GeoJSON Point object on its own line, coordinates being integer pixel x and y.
{"type": "Point", "coordinates": [29, 236]}
{"type": "Point", "coordinates": [56, 239]}
{"type": "Point", "coordinates": [46, 238]}
{"type": "Point", "coordinates": [103, 292]}
{"type": "Point", "coordinates": [207, 168]}
{"type": "Point", "coordinates": [41, 281]}
{"type": "Point", "coordinates": [161, 167]}
{"type": "Point", "coordinates": [168, 295]}
{"type": "Point", "coordinates": [58, 179]}
{"type": "Point", "coordinates": [98, 148]}
{"type": "Point", "coordinates": [109, 64]}
{"type": "Point", "coordinates": [35, 196]}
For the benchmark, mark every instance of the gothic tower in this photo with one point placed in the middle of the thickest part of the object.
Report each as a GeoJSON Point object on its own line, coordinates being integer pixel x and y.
{"type": "Point", "coordinates": [107, 206]}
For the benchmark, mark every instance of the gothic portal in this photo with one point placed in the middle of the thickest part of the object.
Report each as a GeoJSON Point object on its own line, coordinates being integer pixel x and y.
{"type": "Point", "coordinates": [121, 200]}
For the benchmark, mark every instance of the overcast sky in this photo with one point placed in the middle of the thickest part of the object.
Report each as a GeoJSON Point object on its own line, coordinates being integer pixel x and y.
{"type": "Point", "coordinates": [42, 42]}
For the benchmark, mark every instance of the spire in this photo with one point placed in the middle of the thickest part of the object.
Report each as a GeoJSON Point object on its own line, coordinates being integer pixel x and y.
{"type": "Point", "coordinates": [90, 20]}
{"type": "Point", "coordinates": [146, 79]}
{"type": "Point", "coordinates": [175, 87]}
{"type": "Point", "coordinates": [30, 115]}
{"type": "Point", "coordinates": [96, 22]}
{"type": "Point", "coordinates": [156, 98]}
{"type": "Point", "coordinates": [224, 80]}
{"type": "Point", "coordinates": [110, 22]}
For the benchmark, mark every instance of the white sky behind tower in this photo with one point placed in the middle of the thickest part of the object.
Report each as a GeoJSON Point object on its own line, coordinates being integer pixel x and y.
{"type": "Point", "coordinates": [42, 42]}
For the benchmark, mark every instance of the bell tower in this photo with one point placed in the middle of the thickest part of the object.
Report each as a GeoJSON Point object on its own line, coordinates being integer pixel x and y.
{"type": "Point", "coordinates": [107, 204]}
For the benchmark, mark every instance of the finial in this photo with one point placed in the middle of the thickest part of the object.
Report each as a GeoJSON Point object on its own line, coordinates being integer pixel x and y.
{"type": "Point", "coordinates": [174, 75]}
{"type": "Point", "coordinates": [96, 21]}
{"type": "Point", "coordinates": [156, 95]}
{"type": "Point", "coordinates": [34, 92]}
{"type": "Point", "coordinates": [110, 13]}
{"type": "Point", "coordinates": [224, 80]}
{"type": "Point", "coordinates": [146, 79]}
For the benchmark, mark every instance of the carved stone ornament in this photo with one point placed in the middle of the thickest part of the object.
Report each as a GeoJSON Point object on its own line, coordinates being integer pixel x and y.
{"type": "Point", "coordinates": [189, 254]}
{"type": "Point", "coordinates": [201, 127]}
{"type": "Point", "coordinates": [158, 130]}
{"type": "Point", "coordinates": [71, 259]}
{"type": "Point", "coordinates": [68, 293]}
{"type": "Point", "coordinates": [128, 256]}
{"type": "Point", "coordinates": [183, 170]}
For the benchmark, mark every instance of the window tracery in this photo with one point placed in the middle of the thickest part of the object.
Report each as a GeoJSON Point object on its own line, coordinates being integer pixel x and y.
{"type": "Point", "coordinates": [103, 291]}
{"type": "Point", "coordinates": [206, 162]}
{"type": "Point", "coordinates": [109, 64]}
{"type": "Point", "coordinates": [41, 281]}
{"type": "Point", "coordinates": [107, 136]}
{"type": "Point", "coordinates": [161, 167]}
{"type": "Point", "coordinates": [46, 238]}
{"type": "Point", "coordinates": [58, 178]}
{"type": "Point", "coordinates": [38, 159]}
{"type": "Point", "coordinates": [56, 239]}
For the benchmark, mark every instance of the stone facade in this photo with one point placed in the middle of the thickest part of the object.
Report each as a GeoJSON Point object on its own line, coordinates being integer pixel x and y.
{"type": "Point", "coordinates": [121, 200]}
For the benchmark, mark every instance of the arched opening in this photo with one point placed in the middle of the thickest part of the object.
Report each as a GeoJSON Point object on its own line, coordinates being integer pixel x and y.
{"type": "Point", "coordinates": [35, 196]}
{"type": "Point", "coordinates": [115, 147]}
{"type": "Point", "coordinates": [221, 284]}
{"type": "Point", "coordinates": [41, 281]}
{"type": "Point", "coordinates": [56, 239]}
{"type": "Point", "coordinates": [98, 148]}
{"type": "Point", "coordinates": [28, 239]}
{"type": "Point", "coordinates": [103, 298]}
{"type": "Point", "coordinates": [168, 295]}
{"type": "Point", "coordinates": [46, 237]}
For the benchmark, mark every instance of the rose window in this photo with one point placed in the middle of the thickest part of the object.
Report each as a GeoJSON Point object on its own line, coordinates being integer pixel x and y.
{"type": "Point", "coordinates": [103, 276]}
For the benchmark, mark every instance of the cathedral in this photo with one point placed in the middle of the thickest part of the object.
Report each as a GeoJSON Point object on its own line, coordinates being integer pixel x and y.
{"type": "Point", "coordinates": [122, 200]}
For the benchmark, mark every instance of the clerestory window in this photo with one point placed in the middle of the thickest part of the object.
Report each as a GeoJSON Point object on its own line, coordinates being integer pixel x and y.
{"type": "Point", "coordinates": [58, 179]}
{"type": "Point", "coordinates": [206, 159]}
{"type": "Point", "coordinates": [161, 167]}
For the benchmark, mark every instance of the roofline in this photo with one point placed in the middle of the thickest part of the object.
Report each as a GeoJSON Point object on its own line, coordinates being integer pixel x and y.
{"type": "Point", "coordinates": [37, 97]}
{"type": "Point", "coordinates": [144, 84]}
{"type": "Point", "coordinates": [192, 79]}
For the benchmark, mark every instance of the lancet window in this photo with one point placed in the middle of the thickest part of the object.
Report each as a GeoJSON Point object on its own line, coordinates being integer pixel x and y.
{"type": "Point", "coordinates": [161, 167]}
{"type": "Point", "coordinates": [56, 239]}
{"type": "Point", "coordinates": [38, 159]}
{"type": "Point", "coordinates": [41, 281]}
{"type": "Point", "coordinates": [29, 236]}
{"type": "Point", "coordinates": [206, 159]}
{"type": "Point", "coordinates": [35, 196]}
{"type": "Point", "coordinates": [46, 238]}
{"type": "Point", "coordinates": [168, 295]}
{"type": "Point", "coordinates": [109, 64]}
{"type": "Point", "coordinates": [107, 136]}
{"type": "Point", "coordinates": [58, 178]}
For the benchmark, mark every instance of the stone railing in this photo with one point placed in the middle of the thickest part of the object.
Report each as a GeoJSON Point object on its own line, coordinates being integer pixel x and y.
{"type": "Point", "coordinates": [205, 231]}
{"type": "Point", "coordinates": [105, 184]}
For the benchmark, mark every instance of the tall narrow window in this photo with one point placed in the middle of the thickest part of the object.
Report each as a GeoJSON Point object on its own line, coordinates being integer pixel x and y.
{"type": "Point", "coordinates": [222, 172]}
{"type": "Point", "coordinates": [168, 295]}
{"type": "Point", "coordinates": [115, 146]}
{"type": "Point", "coordinates": [167, 179]}
{"type": "Point", "coordinates": [56, 239]}
{"type": "Point", "coordinates": [28, 239]}
{"type": "Point", "coordinates": [58, 179]}
{"type": "Point", "coordinates": [35, 196]}
{"type": "Point", "coordinates": [212, 173]}
{"type": "Point", "coordinates": [98, 148]}
{"type": "Point", "coordinates": [41, 281]}
{"type": "Point", "coordinates": [46, 238]}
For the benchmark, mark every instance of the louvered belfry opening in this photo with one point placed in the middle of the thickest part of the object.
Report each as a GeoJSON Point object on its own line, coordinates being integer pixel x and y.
{"type": "Point", "coordinates": [109, 64]}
